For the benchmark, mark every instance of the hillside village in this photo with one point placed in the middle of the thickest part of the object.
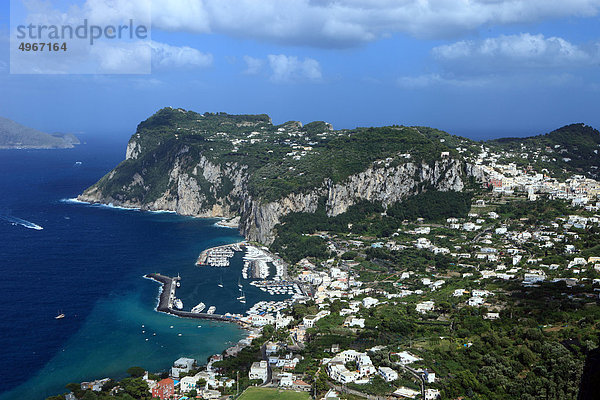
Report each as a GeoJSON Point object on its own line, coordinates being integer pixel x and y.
{"type": "Point", "coordinates": [384, 316]}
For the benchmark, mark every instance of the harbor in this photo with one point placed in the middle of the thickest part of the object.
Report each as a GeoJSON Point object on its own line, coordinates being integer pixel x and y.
{"type": "Point", "coordinates": [219, 256]}
{"type": "Point", "coordinates": [258, 262]}
{"type": "Point", "coordinates": [167, 299]}
{"type": "Point", "coordinates": [278, 287]}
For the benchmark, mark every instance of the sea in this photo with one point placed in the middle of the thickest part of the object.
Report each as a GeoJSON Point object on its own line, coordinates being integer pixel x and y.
{"type": "Point", "coordinates": [58, 256]}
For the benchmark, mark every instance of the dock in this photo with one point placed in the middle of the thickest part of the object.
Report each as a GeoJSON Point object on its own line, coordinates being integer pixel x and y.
{"type": "Point", "coordinates": [218, 256]}
{"type": "Point", "coordinates": [167, 296]}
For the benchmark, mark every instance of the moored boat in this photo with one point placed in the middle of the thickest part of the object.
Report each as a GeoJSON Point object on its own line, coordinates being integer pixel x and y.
{"type": "Point", "coordinates": [199, 308]}
{"type": "Point", "coordinates": [178, 304]}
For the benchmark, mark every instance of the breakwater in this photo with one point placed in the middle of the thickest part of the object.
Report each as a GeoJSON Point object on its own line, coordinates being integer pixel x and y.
{"type": "Point", "coordinates": [167, 296]}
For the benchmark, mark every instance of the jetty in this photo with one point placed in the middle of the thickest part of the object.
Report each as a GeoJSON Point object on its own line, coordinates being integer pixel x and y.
{"type": "Point", "coordinates": [167, 297]}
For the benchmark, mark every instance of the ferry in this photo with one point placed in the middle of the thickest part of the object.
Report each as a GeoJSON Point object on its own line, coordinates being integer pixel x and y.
{"type": "Point", "coordinates": [199, 308]}
{"type": "Point", "coordinates": [178, 304]}
{"type": "Point", "coordinates": [211, 310]}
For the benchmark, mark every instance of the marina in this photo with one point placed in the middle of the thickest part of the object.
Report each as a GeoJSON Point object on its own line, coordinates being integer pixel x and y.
{"type": "Point", "coordinates": [276, 287]}
{"type": "Point", "coordinates": [268, 307]}
{"type": "Point", "coordinates": [167, 296]}
{"type": "Point", "coordinates": [219, 256]}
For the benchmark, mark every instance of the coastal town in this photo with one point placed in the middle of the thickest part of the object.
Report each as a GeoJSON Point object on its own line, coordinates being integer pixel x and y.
{"type": "Point", "coordinates": [375, 318]}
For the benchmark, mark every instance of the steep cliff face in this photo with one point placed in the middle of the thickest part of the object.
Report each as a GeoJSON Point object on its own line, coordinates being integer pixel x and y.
{"type": "Point", "coordinates": [220, 165]}
{"type": "Point", "coordinates": [258, 218]}
{"type": "Point", "coordinates": [386, 185]}
{"type": "Point", "coordinates": [187, 192]}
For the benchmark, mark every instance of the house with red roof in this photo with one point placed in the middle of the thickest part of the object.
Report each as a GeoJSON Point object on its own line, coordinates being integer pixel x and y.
{"type": "Point", "coordinates": [164, 389]}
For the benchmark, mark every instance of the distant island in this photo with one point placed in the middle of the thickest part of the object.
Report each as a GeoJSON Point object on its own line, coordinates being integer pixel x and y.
{"type": "Point", "coordinates": [16, 136]}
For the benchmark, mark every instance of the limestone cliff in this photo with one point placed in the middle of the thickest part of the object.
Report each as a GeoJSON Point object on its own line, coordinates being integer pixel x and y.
{"type": "Point", "coordinates": [216, 165]}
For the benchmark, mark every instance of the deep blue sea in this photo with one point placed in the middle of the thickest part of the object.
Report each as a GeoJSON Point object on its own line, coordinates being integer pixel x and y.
{"type": "Point", "coordinates": [88, 262]}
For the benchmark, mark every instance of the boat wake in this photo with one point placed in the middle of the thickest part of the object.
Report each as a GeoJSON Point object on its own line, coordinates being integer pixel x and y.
{"type": "Point", "coordinates": [113, 207]}
{"type": "Point", "coordinates": [99, 205]}
{"type": "Point", "coordinates": [21, 222]}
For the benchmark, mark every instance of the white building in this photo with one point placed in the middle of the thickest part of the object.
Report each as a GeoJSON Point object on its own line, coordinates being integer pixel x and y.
{"type": "Point", "coordinates": [369, 302]}
{"type": "Point", "coordinates": [355, 322]}
{"type": "Point", "coordinates": [429, 376]}
{"type": "Point", "coordinates": [432, 394]}
{"type": "Point", "coordinates": [183, 365]}
{"type": "Point", "coordinates": [492, 315]}
{"type": "Point", "coordinates": [425, 307]}
{"type": "Point", "coordinates": [388, 374]}
{"type": "Point", "coordinates": [309, 320]}
{"type": "Point", "coordinates": [259, 370]}
{"type": "Point", "coordinates": [475, 301]}
{"type": "Point", "coordinates": [338, 372]}
{"type": "Point", "coordinates": [286, 379]}
{"type": "Point", "coordinates": [407, 358]}
{"type": "Point", "coordinates": [405, 392]}
{"type": "Point", "coordinates": [533, 278]}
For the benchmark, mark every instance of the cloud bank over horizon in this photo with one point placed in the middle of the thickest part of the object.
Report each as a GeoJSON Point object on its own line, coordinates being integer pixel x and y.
{"type": "Point", "coordinates": [446, 63]}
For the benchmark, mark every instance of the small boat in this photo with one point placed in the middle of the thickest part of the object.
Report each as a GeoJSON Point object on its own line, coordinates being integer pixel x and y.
{"type": "Point", "coordinates": [178, 304]}
{"type": "Point", "coordinates": [211, 310]}
{"type": "Point", "coordinates": [240, 284]}
{"type": "Point", "coordinates": [220, 283]}
{"type": "Point", "coordinates": [199, 308]}
{"type": "Point", "coordinates": [242, 298]}
{"type": "Point", "coordinates": [178, 283]}
{"type": "Point", "coordinates": [60, 316]}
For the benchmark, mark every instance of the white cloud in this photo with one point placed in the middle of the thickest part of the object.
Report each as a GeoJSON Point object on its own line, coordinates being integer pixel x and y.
{"type": "Point", "coordinates": [120, 58]}
{"type": "Point", "coordinates": [427, 80]}
{"type": "Point", "coordinates": [513, 52]}
{"type": "Point", "coordinates": [324, 23]}
{"type": "Point", "coordinates": [166, 56]}
{"type": "Point", "coordinates": [124, 57]}
{"type": "Point", "coordinates": [332, 23]}
{"type": "Point", "coordinates": [510, 60]}
{"type": "Point", "coordinates": [290, 68]}
{"type": "Point", "coordinates": [253, 65]}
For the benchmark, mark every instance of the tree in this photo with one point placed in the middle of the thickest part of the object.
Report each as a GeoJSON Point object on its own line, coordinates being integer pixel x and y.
{"type": "Point", "coordinates": [136, 387]}
{"type": "Point", "coordinates": [76, 389]}
{"type": "Point", "coordinates": [89, 395]}
{"type": "Point", "coordinates": [193, 393]}
{"type": "Point", "coordinates": [201, 382]}
{"type": "Point", "coordinates": [321, 382]}
{"type": "Point", "coordinates": [136, 372]}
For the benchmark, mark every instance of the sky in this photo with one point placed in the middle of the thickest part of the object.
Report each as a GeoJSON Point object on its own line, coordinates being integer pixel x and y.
{"type": "Point", "coordinates": [476, 68]}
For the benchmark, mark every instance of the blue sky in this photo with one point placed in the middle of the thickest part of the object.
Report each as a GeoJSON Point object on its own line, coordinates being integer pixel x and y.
{"type": "Point", "coordinates": [478, 68]}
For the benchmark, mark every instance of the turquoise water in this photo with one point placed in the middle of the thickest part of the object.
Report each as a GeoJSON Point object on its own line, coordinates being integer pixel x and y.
{"type": "Point", "coordinates": [88, 262]}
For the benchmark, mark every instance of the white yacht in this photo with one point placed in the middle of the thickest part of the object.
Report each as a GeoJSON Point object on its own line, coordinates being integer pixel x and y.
{"type": "Point", "coordinates": [199, 308]}
{"type": "Point", "coordinates": [178, 304]}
